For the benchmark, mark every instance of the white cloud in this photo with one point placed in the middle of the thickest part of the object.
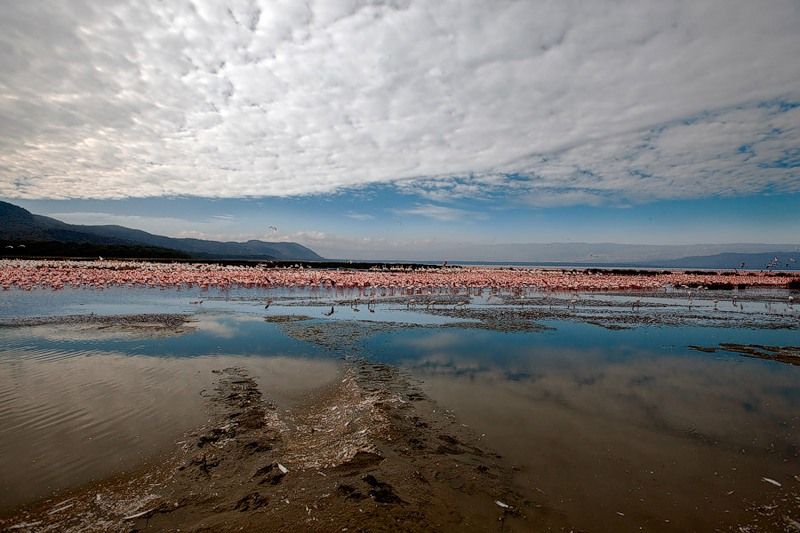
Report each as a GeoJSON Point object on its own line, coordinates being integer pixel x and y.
{"type": "Point", "coordinates": [360, 216]}
{"type": "Point", "coordinates": [439, 212]}
{"type": "Point", "coordinates": [587, 102]}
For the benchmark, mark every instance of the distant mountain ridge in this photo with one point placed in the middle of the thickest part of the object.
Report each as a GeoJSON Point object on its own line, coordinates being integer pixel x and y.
{"type": "Point", "coordinates": [605, 252]}
{"type": "Point", "coordinates": [775, 260]}
{"type": "Point", "coordinates": [20, 225]}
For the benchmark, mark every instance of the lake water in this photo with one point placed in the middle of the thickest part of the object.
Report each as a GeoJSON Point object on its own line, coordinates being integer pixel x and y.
{"type": "Point", "coordinates": [616, 430]}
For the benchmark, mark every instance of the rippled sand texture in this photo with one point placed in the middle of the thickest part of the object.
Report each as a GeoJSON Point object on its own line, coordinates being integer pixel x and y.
{"type": "Point", "coordinates": [70, 417]}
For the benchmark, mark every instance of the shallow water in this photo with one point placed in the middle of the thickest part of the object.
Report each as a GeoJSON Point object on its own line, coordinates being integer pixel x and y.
{"type": "Point", "coordinates": [621, 429]}
{"type": "Point", "coordinates": [616, 430]}
{"type": "Point", "coordinates": [78, 403]}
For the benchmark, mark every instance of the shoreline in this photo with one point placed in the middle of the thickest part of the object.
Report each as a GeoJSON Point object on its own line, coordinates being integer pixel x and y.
{"type": "Point", "coordinates": [369, 451]}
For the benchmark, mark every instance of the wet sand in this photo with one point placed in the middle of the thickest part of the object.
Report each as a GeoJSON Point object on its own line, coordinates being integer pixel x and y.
{"type": "Point", "coordinates": [370, 453]}
{"type": "Point", "coordinates": [99, 326]}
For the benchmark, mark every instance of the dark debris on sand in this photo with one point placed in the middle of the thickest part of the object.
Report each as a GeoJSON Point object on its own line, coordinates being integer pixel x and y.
{"type": "Point", "coordinates": [369, 453]}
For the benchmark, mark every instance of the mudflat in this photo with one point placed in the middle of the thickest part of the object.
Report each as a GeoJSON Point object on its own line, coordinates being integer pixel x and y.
{"type": "Point", "coordinates": [370, 453]}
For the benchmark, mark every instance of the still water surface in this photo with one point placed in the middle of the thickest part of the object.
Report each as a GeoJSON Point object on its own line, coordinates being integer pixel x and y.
{"type": "Point", "coordinates": [615, 430]}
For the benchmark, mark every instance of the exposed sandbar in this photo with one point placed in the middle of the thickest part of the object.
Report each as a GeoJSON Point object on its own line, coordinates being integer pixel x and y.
{"type": "Point", "coordinates": [369, 453]}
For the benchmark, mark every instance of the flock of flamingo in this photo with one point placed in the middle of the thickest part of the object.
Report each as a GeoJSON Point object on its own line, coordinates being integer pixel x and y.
{"type": "Point", "coordinates": [30, 274]}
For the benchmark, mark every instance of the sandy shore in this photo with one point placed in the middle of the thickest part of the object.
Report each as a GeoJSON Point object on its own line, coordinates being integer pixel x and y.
{"type": "Point", "coordinates": [370, 453]}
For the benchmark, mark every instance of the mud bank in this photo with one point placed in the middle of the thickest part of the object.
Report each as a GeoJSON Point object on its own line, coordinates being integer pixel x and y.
{"type": "Point", "coordinates": [783, 354]}
{"type": "Point", "coordinates": [370, 453]}
{"type": "Point", "coordinates": [142, 325]}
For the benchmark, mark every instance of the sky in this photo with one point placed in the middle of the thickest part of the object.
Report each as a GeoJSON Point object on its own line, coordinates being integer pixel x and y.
{"type": "Point", "coordinates": [398, 128]}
